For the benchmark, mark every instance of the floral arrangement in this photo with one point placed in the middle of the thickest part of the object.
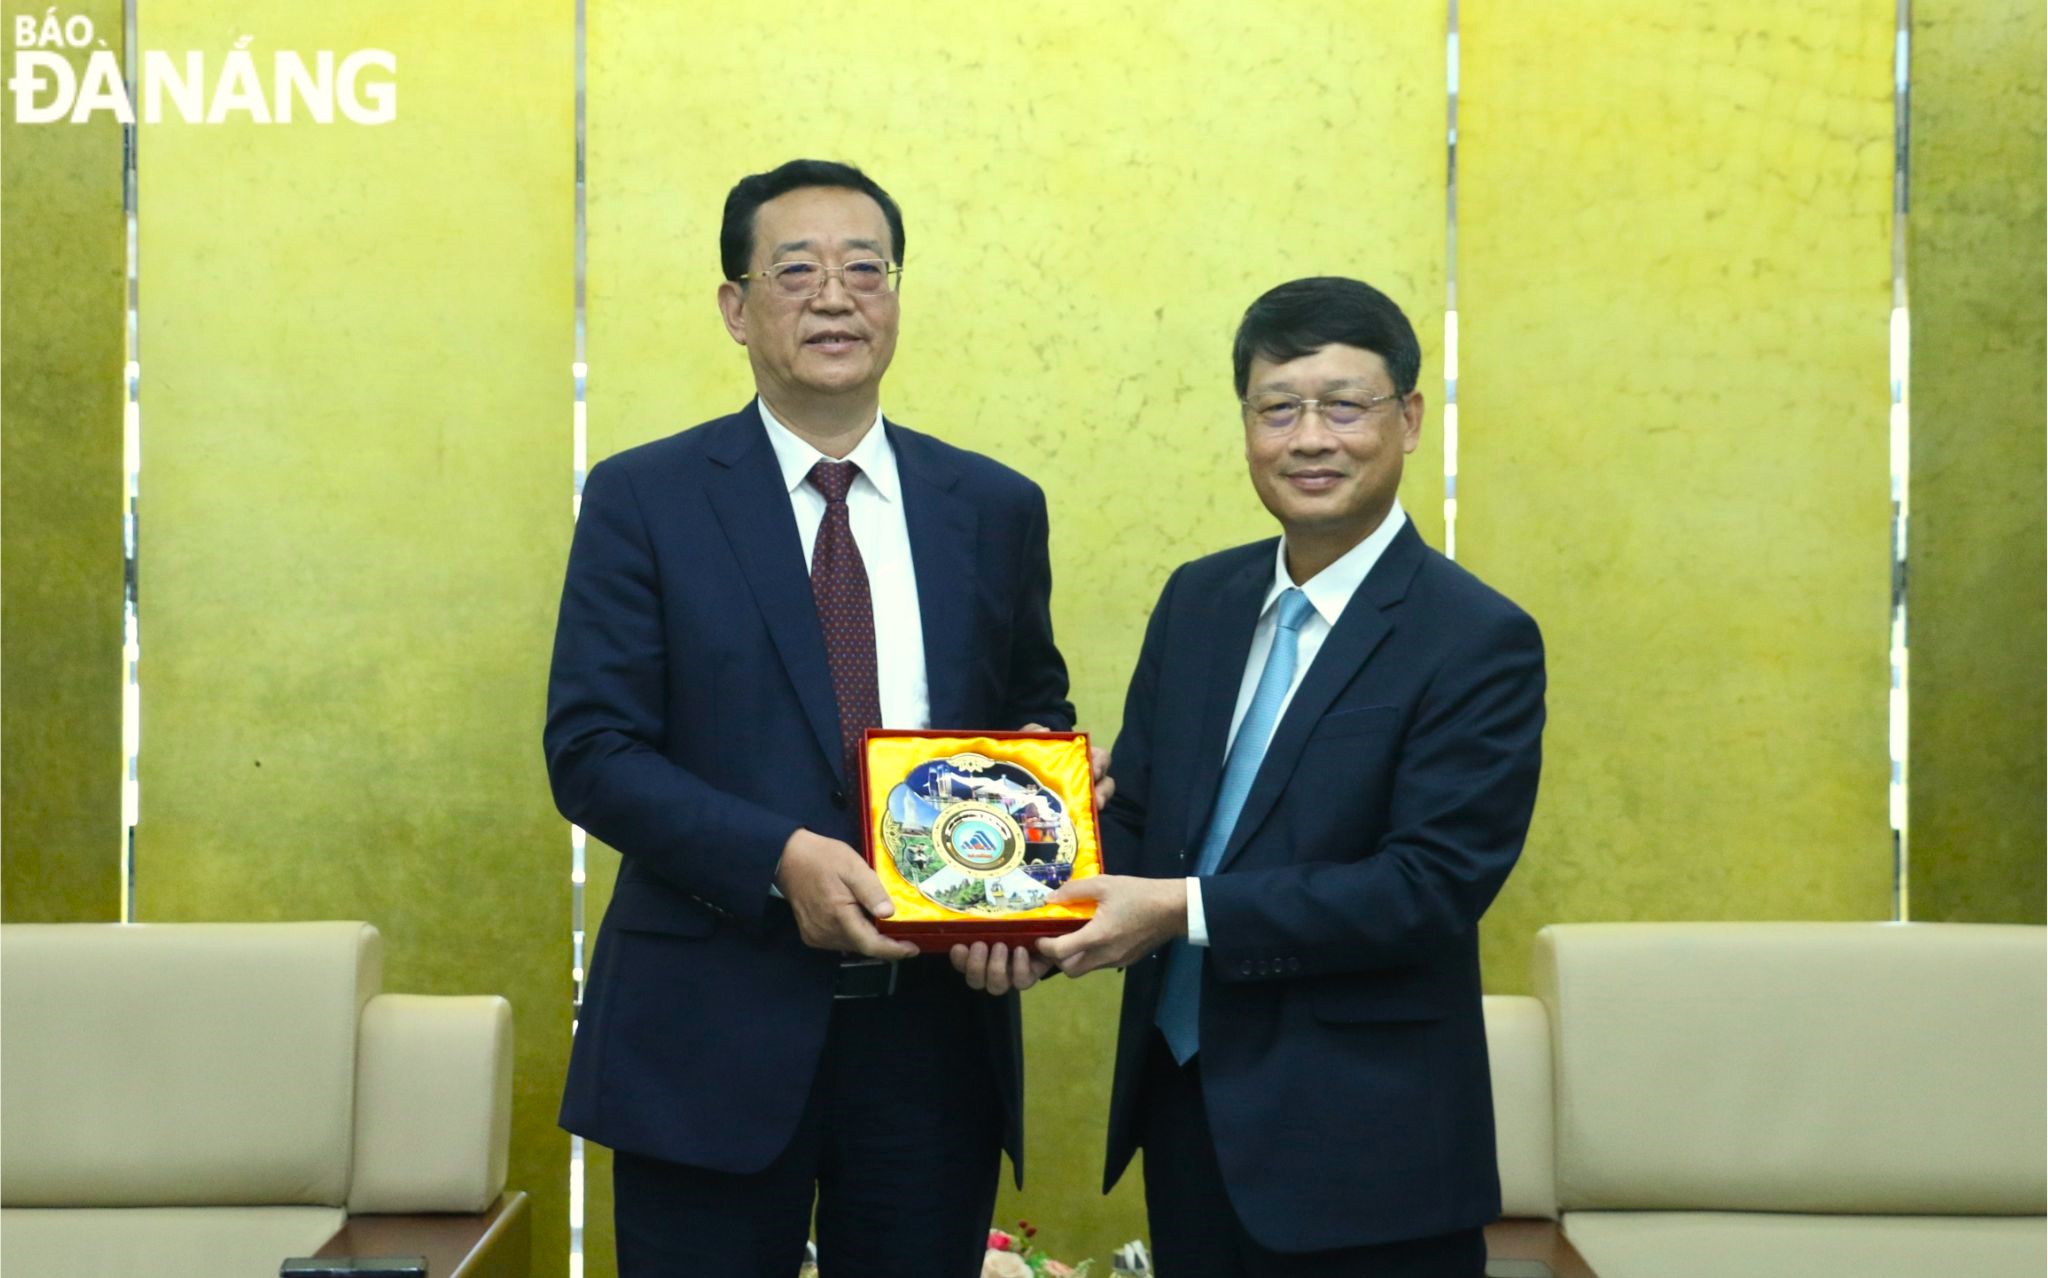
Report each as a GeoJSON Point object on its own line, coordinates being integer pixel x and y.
{"type": "Point", "coordinates": [1015, 1255]}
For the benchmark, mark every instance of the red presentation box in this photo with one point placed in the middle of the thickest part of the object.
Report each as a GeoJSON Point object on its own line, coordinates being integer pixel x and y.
{"type": "Point", "coordinates": [971, 832]}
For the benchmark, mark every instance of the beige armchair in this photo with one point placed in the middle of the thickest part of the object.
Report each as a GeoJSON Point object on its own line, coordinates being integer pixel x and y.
{"type": "Point", "coordinates": [1777, 1099]}
{"type": "Point", "coordinates": [205, 1100]}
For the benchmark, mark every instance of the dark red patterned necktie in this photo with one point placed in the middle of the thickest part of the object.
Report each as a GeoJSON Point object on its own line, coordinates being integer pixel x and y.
{"type": "Point", "coordinates": [839, 585]}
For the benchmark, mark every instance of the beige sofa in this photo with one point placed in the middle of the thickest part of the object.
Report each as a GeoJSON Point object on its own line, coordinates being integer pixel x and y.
{"type": "Point", "coordinates": [208, 1099]}
{"type": "Point", "coordinates": [1765, 1099]}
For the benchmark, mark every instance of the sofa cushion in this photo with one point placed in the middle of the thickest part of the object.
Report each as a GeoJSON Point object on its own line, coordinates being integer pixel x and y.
{"type": "Point", "coordinates": [180, 1065]}
{"type": "Point", "coordinates": [1825, 1067]}
{"type": "Point", "coordinates": [1685, 1244]}
{"type": "Point", "coordinates": [159, 1242]}
{"type": "Point", "coordinates": [1518, 1050]}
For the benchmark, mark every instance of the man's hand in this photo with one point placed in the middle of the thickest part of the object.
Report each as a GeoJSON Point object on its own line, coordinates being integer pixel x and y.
{"type": "Point", "coordinates": [1133, 917]}
{"type": "Point", "coordinates": [1098, 763]}
{"type": "Point", "coordinates": [1105, 784]}
{"type": "Point", "coordinates": [833, 892]}
{"type": "Point", "coordinates": [998, 968]}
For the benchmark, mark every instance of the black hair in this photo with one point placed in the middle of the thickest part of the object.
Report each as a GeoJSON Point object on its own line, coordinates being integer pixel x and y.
{"type": "Point", "coordinates": [1301, 317]}
{"type": "Point", "coordinates": [736, 232]}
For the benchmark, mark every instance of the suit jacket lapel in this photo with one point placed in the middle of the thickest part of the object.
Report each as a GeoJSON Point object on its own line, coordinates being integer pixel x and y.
{"type": "Point", "coordinates": [1360, 629]}
{"type": "Point", "coordinates": [752, 505]}
{"type": "Point", "coordinates": [943, 527]}
{"type": "Point", "coordinates": [1232, 620]}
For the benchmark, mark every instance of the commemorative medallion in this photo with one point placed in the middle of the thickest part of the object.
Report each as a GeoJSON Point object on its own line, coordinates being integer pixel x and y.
{"type": "Point", "coordinates": [978, 836]}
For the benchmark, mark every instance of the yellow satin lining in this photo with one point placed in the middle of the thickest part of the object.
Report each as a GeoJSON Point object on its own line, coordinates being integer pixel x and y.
{"type": "Point", "coordinates": [1060, 762]}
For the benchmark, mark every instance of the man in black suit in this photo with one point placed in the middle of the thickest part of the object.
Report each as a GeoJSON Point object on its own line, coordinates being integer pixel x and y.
{"type": "Point", "coordinates": [742, 601]}
{"type": "Point", "coordinates": [1327, 767]}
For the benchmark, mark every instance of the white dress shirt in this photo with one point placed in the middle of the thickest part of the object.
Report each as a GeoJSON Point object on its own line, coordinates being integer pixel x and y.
{"type": "Point", "coordinates": [874, 510]}
{"type": "Point", "coordinates": [1328, 592]}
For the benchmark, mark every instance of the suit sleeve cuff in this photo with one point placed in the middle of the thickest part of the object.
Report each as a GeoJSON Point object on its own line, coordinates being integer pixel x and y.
{"type": "Point", "coordinates": [1198, 923]}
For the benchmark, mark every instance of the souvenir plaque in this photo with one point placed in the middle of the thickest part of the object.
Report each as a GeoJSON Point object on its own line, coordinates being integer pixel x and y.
{"type": "Point", "coordinates": [972, 832]}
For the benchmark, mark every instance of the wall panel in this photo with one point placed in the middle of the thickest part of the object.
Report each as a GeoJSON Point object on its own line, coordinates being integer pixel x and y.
{"type": "Point", "coordinates": [1975, 262]}
{"type": "Point", "coordinates": [356, 345]}
{"type": "Point", "coordinates": [1674, 281]}
{"type": "Point", "coordinates": [1093, 194]}
{"type": "Point", "coordinates": [63, 253]}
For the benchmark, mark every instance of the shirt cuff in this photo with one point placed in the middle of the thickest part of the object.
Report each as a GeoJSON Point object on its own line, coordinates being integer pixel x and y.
{"type": "Point", "coordinates": [1198, 925]}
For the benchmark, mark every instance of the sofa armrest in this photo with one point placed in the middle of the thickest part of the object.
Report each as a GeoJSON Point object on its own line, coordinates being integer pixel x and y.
{"type": "Point", "coordinates": [1543, 1240]}
{"type": "Point", "coordinates": [433, 1122]}
{"type": "Point", "coordinates": [1525, 1136]}
{"type": "Point", "coordinates": [492, 1244]}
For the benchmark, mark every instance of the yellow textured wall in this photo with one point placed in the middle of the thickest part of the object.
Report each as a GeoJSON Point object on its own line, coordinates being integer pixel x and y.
{"type": "Point", "coordinates": [1976, 601]}
{"type": "Point", "coordinates": [1092, 195]}
{"type": "Point", "coordinates": [355, 348]}
{"type": "Point", "coordinates": [63, 255]}
{"type": "Point", "coordinates": [1674, 282]}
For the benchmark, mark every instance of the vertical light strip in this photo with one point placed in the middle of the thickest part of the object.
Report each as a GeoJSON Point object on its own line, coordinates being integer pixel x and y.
{"type": "Point", "coordinates": [579, 463]}
{"type": "Point", "coordinates": [131, 461]}
{"type": "Point", "coordinates": [1902, 453]}
{"type": "Point", "coordinates": [1451, 286]}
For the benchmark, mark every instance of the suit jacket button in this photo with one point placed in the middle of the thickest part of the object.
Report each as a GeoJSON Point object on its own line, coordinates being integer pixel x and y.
{"type": "Point", "coordinates": [839, 799]}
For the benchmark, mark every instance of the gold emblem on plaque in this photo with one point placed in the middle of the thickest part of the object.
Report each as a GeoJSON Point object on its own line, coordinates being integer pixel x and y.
{"type": "Point", "coordinates": [980, 838]}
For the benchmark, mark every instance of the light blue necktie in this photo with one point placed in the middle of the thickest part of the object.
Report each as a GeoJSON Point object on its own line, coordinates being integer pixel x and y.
{"type": "Point", "coordinates": [1180, 998]}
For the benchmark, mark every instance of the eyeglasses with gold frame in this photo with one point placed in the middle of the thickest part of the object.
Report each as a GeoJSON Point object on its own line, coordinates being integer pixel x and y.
{"type": "Point", "coordinates": [1343, 411]}
{"type": "Point", "coordinates": [864, 277]}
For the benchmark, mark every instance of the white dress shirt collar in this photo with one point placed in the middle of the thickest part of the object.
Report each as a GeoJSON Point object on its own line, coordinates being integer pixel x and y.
{"type": "Point", "coordinates": [1332, 588]}
{"type": "Point", "coordinates": [874, 456]}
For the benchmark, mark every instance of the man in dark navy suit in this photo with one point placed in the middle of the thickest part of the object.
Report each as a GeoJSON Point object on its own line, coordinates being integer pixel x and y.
{"type": "Point", "coordinates": [742, 601]}
{"type": "Point", "coordinates": [1327, 767]}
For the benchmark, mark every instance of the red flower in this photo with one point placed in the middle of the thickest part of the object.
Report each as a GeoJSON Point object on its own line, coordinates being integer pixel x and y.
{"type": "Point", "coordinates": [998, 1240]}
